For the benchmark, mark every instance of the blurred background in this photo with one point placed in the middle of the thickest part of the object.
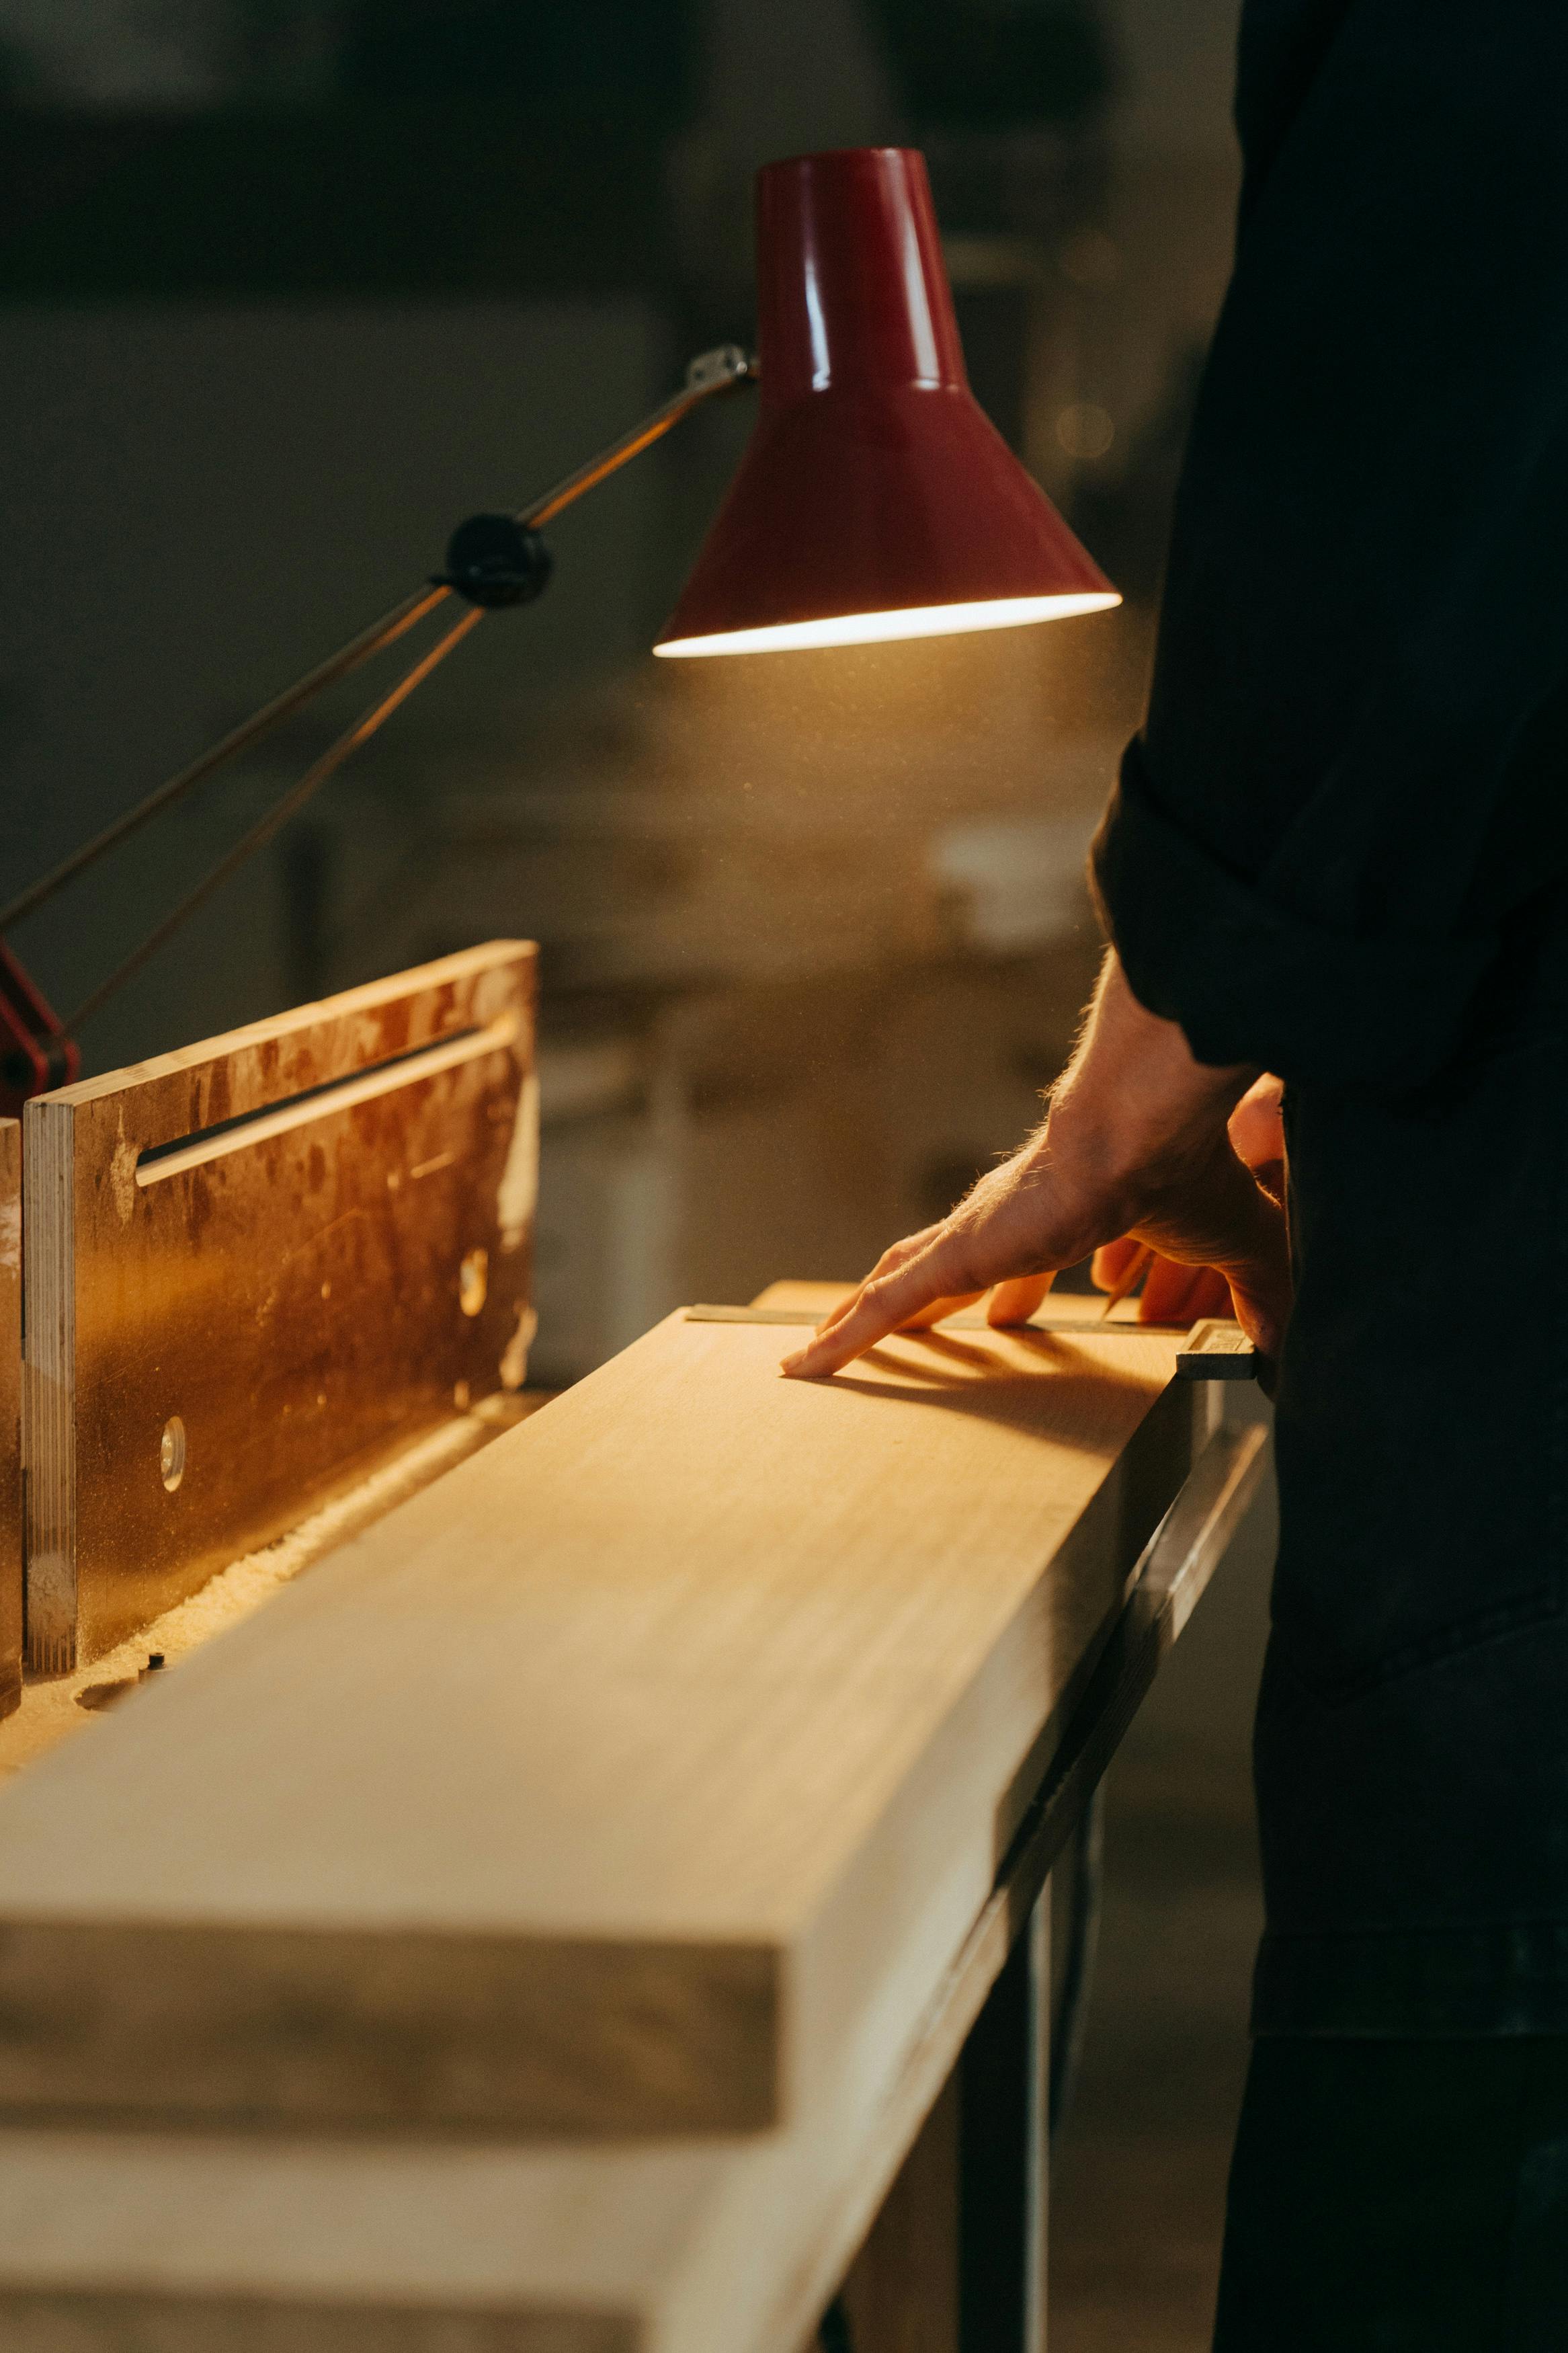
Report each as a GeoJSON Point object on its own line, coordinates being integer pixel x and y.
{"type": "Point", "coordinates": [286, 287]}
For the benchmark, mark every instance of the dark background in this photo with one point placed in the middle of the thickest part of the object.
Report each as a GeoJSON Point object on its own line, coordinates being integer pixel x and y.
{"type": "Point", "coordinates": [286, 287]}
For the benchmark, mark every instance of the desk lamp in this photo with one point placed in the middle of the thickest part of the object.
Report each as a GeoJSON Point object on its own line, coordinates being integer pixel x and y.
{"type": "Point", "coordinates": [875, 501]}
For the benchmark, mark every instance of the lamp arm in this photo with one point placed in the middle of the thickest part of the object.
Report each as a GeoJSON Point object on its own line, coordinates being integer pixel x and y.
{"type": "Point", "coordinates": [723, 369]}
{"type": "Point", "coordinates": [720, 369]}
{"type": "Point", "coordinates": [373, 640]}
{"type": "Point", "coordinates": [275, 819]}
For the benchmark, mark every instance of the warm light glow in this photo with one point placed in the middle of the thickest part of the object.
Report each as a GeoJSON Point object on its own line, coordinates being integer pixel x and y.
{"type": "Point", "coordinates": [875, 629]}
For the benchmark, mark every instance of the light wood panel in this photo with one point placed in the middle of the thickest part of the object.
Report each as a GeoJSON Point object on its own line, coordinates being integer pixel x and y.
{"type": "Point", "coordinates": [269, 2244]}
{"type": "Point", "coordinates": [259, 1265]}
{"type": "Point", "coordinates": [592, 1790]}
{"type": "Point", "coordinates": [57, 1708]}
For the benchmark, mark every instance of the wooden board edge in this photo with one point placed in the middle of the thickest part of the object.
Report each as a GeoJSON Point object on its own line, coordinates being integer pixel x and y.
{"type": "Point", "coordinates": [369, 997]}
{"type": "Point", "coordinates": [424, 2031]}
{"type": "Point", "coordinates": [12, 1500]}
{"type": "Point", "coordinates": [49, 1384]}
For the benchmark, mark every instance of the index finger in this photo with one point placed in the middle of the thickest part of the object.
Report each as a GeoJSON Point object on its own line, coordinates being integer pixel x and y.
{"type": "Point", "coordinates": [897, 1256]}
{"type": "Point", "coordinates": [882, 1303]}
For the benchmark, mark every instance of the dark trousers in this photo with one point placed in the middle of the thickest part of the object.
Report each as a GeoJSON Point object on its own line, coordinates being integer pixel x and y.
{"type": "Point", "coordinates": [1399, 2197]}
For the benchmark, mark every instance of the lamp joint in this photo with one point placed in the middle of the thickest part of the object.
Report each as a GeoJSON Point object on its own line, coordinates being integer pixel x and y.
{"type": "Point", "coordinates": [727, 365]}
{"type": "Point", "coordinates": [493, 560]}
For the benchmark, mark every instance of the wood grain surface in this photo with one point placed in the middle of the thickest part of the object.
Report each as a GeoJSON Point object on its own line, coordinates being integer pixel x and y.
{"type": "Point", "coordinates": [231, 2241]}
{"type": "Point", "coordinates": [626, 1780]}
{"type": "Point", "coordinates": [256, 1267]}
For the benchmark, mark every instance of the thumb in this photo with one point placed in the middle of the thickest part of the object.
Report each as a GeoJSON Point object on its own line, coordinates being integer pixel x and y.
{"type": "Point", "coordinates": [1260, 1297]}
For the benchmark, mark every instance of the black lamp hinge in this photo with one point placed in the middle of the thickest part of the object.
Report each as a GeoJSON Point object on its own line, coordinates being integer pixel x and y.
{"type": "Point", "coordinates": [494, 559]}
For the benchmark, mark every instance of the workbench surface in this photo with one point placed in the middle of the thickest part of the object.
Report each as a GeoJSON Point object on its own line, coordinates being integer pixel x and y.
{"type": "Point", "coordinates": [579, 1882]}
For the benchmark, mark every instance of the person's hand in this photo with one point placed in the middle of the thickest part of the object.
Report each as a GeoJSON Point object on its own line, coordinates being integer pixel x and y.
{"type": "Point", "coordinates": [1173, 1293]}
{"type": "Point", "coordinates": [1135, 1144]}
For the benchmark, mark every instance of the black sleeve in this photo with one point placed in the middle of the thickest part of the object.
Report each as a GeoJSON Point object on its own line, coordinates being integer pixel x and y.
{"type": "Point", "coordinates": [1354, 770]}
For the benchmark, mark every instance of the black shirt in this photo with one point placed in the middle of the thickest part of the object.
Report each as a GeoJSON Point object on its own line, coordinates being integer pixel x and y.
{"type": "Point", "coordinates": [1351, 776]}
{"type": "Point", "coordinates": [1339, 850]}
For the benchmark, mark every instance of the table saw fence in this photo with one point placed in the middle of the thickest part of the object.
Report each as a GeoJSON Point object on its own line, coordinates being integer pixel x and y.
{"type": "Point", "coordinates": [257, 1266]}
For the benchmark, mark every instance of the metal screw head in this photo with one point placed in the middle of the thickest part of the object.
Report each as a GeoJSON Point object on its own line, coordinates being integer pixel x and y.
{"type": "Point", "coordinates": [473, 1282]}
{"type": "Point", "coordinates": [171, 1452]}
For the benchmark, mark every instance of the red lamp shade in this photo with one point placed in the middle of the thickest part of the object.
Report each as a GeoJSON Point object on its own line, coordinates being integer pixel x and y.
{"type": "Point", "coordinates": [875, 500]}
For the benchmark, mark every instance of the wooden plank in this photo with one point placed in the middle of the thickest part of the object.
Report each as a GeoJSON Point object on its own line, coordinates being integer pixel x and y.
{"type": "Point", "coordinates": [257, 1266]}
{"type": "Point", "coordinates": [592, 1790]}
{"type": "Point", "coordinates": [56, 1709]}
{"type": "Point", "coordinates": [270, 2243]}
{"type": "Point", "coordinates": [10, 1531]}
